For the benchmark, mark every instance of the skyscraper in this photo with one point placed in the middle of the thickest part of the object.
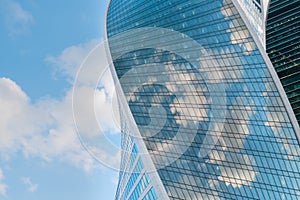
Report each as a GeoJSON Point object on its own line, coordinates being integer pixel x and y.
{"type": "Point", "coordinates": [283, 47]}
{"type": "Point", "coordinates": [203, 113]}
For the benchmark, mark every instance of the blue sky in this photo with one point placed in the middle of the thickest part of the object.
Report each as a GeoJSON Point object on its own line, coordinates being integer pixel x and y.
{"type": "Point", "coordinates": [43, 43]}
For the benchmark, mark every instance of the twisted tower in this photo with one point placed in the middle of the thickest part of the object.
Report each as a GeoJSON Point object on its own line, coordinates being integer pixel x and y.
{"type": "Point", "coordinates": [203, 113]}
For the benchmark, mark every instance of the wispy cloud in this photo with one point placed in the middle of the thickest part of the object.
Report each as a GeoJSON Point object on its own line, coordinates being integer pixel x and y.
{"type": "Point", "coordinates": [18, 20]}
{"type": "Point", "coordinates": [3, 186]}
{"type": "Point", "coordinates": [69, 60]}
{"type": "Point", "coordinates": [32, 187]}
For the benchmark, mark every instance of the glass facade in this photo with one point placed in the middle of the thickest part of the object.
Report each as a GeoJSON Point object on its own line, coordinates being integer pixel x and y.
{"type": "Point", "coordinates": [283, 47]}
{"type": "Point", "coordinates": [204, 101]}
{"type": "Point", "coordinates": [254, 13]}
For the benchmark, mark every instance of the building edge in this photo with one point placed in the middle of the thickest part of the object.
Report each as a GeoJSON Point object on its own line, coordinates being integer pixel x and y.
{"type": "Point", "coordinates": [271, 69]}
{"type": "Point", "coordinates": [148, 163]}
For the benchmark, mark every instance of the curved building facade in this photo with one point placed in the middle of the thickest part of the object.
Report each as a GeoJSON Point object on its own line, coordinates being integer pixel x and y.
{"type": "Point", "coordinates": [283, 47]}
{"type": "Point", "coordinates": [203, 113]}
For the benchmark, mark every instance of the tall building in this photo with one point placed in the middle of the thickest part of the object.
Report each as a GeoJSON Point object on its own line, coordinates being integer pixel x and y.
{"type": "Point", "coordinates": [203, 113]}
{"type": "Point", "coordinates": [283, 47]}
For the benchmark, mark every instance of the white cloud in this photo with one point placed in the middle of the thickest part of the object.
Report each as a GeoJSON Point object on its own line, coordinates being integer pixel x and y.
{"type": "Point", "coordinates": [93, 92]}
{"type": "Point", "coordinates": [72, 57]}
{"type": "Point", "coordinates": [3, 186]}
{"type": "Point", "coordinates": [46, 129]}
{"type": "Point", "coordinates": [88, 74]}
{"type": "Point", "coordinates": [18, 20]}
{"type": "Point", "coordinates": [31, 186]}
{"type": "Point", "coordinates": [17, 115]}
